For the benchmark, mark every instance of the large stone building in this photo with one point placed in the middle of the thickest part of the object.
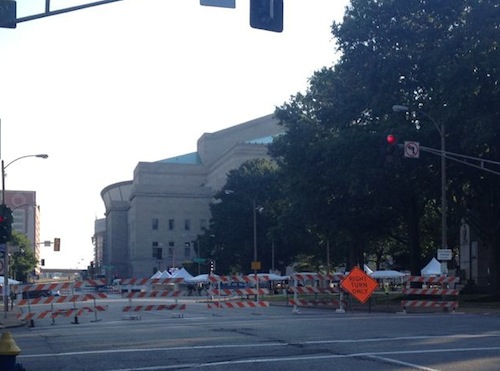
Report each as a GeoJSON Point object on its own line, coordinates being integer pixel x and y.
{"type": "Point", "coordinates": [153, 220]}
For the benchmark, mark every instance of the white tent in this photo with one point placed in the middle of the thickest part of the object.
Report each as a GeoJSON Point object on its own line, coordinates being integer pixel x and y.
{"type": "Point", "coordinates": [367, 269]}
{"type": "Point", "coordinates": [200, 278]}
{"type": "Point", "coordinates": [156, 275]}
{"type": "Point", "coordinates": [11, 281]}
{"type": "Point", "coordinates": [386, 274]}
{"type": "Point", "coordinates": [182, 273]}
{"type": "Point", "coordinates": [270, 276]}
{"type": "Point", "coordinates": [431, 269]}
{"type": "Point", "coordinates": [165, 274]}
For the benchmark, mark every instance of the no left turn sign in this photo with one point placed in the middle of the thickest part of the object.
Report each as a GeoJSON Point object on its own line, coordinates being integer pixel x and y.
{"type": "Point", "coordinates": [412, 149]}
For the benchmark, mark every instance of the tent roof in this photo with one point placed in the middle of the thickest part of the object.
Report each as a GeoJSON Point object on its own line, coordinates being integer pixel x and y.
{"type": "Point", "coordinates": [182, 273]}
{"type": "Point", "coordinates": [386, 274]}
{"type": "Point", "coordinates": [271, 276]}
{"type": "Point", "coordinates": [156, 275]}
{"type": "Point", "coordinates": [10, 282]}
{"type": "Point", "coordinates": [199, 278]}
{"type": "Point", "coordinates": [433, 268]}
{"type": "Point", "coordinates": [164, 274]}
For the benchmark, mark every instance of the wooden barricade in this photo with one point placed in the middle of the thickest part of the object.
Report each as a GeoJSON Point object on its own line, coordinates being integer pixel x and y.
{"type": "Point", "coordinates": [436, 292]}
{"type": "Point", "coordinates": [149, 288]}
{"type": "Point", "coordinates": [318, 292]}
{"type": "Point", "coordinates": [37, 306]}
{"type": "Point", "coordinates": [231, 297]}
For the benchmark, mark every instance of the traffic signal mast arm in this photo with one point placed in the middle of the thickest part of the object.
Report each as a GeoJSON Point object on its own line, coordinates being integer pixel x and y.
{"type": "Point", "coordinates": [49, 12]}
{"type": "Point", "coordinates": [463, 159]}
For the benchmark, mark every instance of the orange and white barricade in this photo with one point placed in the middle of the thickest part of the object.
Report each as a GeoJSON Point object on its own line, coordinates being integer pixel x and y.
{"type": "Point", "coordinates": [36, 307]}
{"type": "Point", "coordinates": [231, 296]}
{"type": "Point", "coordinates": [147, 289]}
{"type": "Point", "coordinates": [436, 292]}
{"type": "Point", "coordinates": [316, 289]}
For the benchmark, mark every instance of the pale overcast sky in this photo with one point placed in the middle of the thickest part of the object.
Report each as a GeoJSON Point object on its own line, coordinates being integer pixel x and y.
{"type": "Point", "coordinates": [104, 88]}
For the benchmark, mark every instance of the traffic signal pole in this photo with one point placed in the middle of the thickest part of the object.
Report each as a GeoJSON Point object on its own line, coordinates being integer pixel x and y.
{"type": "Point", "coordinates": [5, 256]}
{"type": "Point", "coordinates": [464, 159]}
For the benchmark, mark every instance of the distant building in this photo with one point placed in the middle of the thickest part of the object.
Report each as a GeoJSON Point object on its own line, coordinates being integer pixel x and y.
{"type": "Point", "coordinates": [26, 215]}
{"type": "Point", "coordinates": [152, 221]}
{"type": "Point", "coordinates": [99, 240]}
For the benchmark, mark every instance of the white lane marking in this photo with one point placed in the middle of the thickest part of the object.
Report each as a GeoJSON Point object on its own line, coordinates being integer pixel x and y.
{"type": "Point", "coordinates": [407, 364]}
{"type": "Point", "coordinates": [275, 344]}
{"type": "Point", "coordinates": [314, 358]}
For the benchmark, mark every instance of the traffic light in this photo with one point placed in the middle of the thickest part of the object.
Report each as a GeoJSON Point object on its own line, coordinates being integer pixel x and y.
{"type": "Point", "coordinates": [57, 244]}
{"type": "Point", "coordinates": [212, 266]}
{"type": "Point", "coordinates": [8, 14]}
{"type": "Point", "coordinates": [5, 223]}
{"type": "Point", "coordinates": [42, 262]}
{"type": "Point", "coordinates": [266, 15]}
{"type": "Point", "coordinates": [391, 147]}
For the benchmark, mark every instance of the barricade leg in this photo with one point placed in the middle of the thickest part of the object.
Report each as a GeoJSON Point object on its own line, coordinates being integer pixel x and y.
{"type": "Point", "coordinates": [295, 309]}
{"type": "Point", "coordinates": [341, 308]}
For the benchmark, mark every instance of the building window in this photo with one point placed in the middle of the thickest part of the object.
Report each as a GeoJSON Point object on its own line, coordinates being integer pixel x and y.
{"type": "Point", "coordinates": [157, 253]}
{"type": "Point", "coordinates": [171, 224]}
{"type": "Point", "coordinates": [187, 252]}
{"type": "Point", "coordinates": [171, 243]}
{"type": "Point", "coordinates": [154, 223]}
{"type": "Point", "coordinates": [187, 224]}
{"type": "Point", "coordinates": [203, 224]}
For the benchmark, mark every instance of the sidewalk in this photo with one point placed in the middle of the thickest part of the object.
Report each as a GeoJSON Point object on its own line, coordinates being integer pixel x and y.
{"type": "Point", "coordinates": [10, 320]}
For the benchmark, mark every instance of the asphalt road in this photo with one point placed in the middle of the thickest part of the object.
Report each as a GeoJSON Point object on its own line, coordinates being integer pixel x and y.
{"type": "Point", "coordinates": [274, 338]}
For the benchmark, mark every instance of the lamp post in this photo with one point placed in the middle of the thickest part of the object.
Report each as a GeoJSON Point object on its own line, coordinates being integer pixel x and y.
{"type": "Point", "coordinates": [442, 134]}
{"type": "Point", "coordinates": [255, 263]}
{"type": "Point", "coordinates": [6, 245]}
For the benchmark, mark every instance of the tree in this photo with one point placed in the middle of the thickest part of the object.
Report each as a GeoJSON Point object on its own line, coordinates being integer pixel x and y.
{"type": "Point", "coordinates": [22, 262]}
{"type": "Point", "coordinates": [440, 57]}
{"type": "Point", "coordinates": [229, 238]}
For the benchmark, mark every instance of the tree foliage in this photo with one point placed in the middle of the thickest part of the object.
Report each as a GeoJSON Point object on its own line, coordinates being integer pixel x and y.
{"type": "Point", "coordinates": [437, 56]}
{"type": "Point", "coordinates": [24, 261]}
{"type": "Point", "coordinates": [338, 187]}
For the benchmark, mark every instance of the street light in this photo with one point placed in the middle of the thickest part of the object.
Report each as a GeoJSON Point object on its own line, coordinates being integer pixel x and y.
{"type": "Point", "coordinates": [6, 245]}
{"type": "Point", "coordinates": [442, 134]}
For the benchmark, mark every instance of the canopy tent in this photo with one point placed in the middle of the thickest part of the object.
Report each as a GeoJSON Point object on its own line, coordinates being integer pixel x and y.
{"type": "Point", "coordinates": [431, 269]}
{"type": "Point", "coordinates": [156, 275]}
{"type": "Point", "coordinates": [164, 274]}
{"type": "Point", "coordinates": [367, 269]}
{"type": "Point", "coordinates": [182, 273]}
{"type": "Point", "coordinates": [386, 274]}
{"type": "Point", "coordinates": [270, 276]}
{"type": "Point", "coordinates": [11, 281]}
{"type": "Point", "coordinates": [198, 278]}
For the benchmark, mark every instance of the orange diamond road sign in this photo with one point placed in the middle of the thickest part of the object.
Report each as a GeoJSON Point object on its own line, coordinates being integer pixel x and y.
{"type": "Point", "coordinates": [359, 284]}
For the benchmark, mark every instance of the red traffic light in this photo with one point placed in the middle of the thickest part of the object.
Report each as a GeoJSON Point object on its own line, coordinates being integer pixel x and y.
{"type": "Point", "coordinates": [2, 218]}
{"type": "Point", "coordinates": [391, 139]}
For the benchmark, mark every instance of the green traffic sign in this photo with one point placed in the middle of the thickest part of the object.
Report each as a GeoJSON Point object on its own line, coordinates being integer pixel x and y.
{"type": "Point", "coordinates": [199, 260]}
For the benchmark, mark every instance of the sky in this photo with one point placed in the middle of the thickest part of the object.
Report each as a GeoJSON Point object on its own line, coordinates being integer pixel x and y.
{"type": "Point", "coordinates": [101, 89]}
